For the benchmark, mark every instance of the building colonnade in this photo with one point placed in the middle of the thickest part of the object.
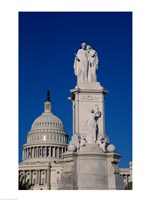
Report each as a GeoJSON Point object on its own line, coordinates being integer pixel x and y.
{"type": "Point", "coordinates": [43, 151]}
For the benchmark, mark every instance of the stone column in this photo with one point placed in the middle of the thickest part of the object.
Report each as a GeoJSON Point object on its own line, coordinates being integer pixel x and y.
{"type": "Point", "coordinates": [48, 178]}
{"type": "Point", "coordinates": [49, 152]}
{"type": "Point", "coordinates": [126, 179]}
{"type": "Point", "coordinates": [41, 153]}
{"type": "Point", "coordinates": [32, 152]}
{"type": "Point", "coordinates": [45, 177]}
{"type": "Point", "coordinates": [57, 152]}
{"type": "Point", "coordinates": [61, 150]}
{"type": "Point", "coordinates": [27, 153]}
{"type": "Point", "coordinates": [37, 177]}
{"type": "Point", "coordinates": [30, 177]}
{"type": "Point", "coordinates": [23, 154]}
{"type": "Point", "coordinates": [37, 151]}
{"type": "Point", "coordinates": [53, 152]}
{"type": "Point", "coordinates": [45, 151]}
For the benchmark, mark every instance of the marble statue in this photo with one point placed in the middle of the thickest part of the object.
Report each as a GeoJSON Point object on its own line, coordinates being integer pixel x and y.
{"type": "Point", "coordinates": [92, 124]}
{"type": "Point", "coordinates": [81, 64]}
{"type": "Point", "coordinates": [92, 64]}
{"type": "Point", "coordinates": [102, 142]}
{"type": "Point", "coordinates": [86, 64]}
{"type": "Point", "coordinates": [82, 141]}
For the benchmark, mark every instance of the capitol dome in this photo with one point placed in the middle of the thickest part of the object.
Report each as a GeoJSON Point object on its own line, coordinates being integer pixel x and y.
{"type": "Point", "coordinates": [47, 138]}
{"type": "Point", "coordinates": [47, 121]}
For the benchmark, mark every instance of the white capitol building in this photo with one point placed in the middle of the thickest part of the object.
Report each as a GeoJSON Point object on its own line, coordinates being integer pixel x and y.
{"type": "Point", "coordinates": [46, 141]}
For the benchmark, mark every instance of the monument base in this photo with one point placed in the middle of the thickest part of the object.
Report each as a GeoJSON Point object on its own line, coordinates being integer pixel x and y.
{"type": "Point", "coordinates": [90, 169]}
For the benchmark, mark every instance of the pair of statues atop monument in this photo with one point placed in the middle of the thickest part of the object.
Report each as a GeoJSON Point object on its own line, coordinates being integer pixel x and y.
{"type": "Point", "coordinates": [86, 64]}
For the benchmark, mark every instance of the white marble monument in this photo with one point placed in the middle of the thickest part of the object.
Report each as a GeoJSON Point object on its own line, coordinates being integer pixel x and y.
{"type": "Point", "coordinates": [90, 162]}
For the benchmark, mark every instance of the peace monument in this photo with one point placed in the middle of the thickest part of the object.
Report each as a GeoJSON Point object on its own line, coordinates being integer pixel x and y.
{"type": "Point", "coordinates": [90, 161]}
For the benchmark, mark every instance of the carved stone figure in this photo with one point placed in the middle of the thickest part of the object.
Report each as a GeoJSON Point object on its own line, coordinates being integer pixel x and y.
{"type": "Point", "coordinates": [82, 142]}
{"type": "Point", "coordinates": [92, 124]}
{"type": "Point", "coordinates": [102, 142]}
{"type": "Point", "coordinates": [81, 64]}
{"type": "Point", "coordinates": [92, 64]}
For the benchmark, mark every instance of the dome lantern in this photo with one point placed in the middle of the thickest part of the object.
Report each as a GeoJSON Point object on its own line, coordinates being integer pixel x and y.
{"type": "Point", "coordinates": [47, 104]}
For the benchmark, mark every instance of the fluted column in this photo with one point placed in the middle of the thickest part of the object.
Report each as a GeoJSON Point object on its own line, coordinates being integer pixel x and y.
{"type": "Point", "coordinates": [48, 178]}
{"type": "Point", "coordinates": [30, 180]}
{"type": "Point", "coordinates": [45, 176]}
{"type": "Point", "coordinates": [30, 152]}
{"type": "Point", "coordinates": [45, 151]}
{"type": "Point", "coordinates": [37, 177]}
{"type": "Point", "coordinates": [27, 153]}
{"type": "Point", "coordinates": [53, 151]}
{"type": "Point", "coordinates": [58, 152]}
{"type": "Point", "coordinates": [23, 155]}
{"type": "Point", "coordinates": [36, 151]}
{"type": "Point", "coordinates": [49, 151]}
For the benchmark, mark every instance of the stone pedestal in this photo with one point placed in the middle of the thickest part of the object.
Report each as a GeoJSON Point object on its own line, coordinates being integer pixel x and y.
{"type": "Point", "coordinates": [91, 169]}
{"type": "Point", "coordinates": [85, 97]}
{"type": "Point", "coordinates": [90, 162]}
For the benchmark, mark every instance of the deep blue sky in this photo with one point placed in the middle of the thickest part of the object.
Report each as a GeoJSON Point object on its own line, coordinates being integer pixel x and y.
{"type": "Point", "coordinates": [47, 43]}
